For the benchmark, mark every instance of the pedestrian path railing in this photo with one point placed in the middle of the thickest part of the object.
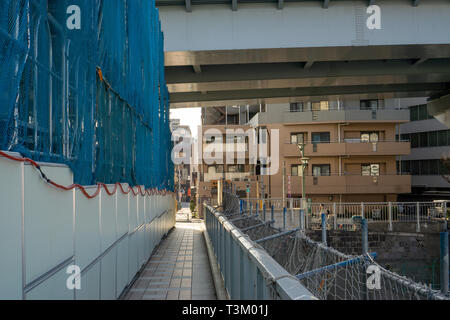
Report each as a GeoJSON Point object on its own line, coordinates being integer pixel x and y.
{"type": "Point", "coordinates": [325, 272]}
{"type": "Point", "coordinates": [248, 271]}
{"type": "Point", "coordinates": [346, 216]}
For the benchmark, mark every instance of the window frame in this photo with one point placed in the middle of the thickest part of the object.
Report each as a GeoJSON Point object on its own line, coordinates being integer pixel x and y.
{"type": "Point", "coordinates": [371, 171]}
{"type": "Point", "coordinates": [321, 166]}
{"type": "Point", "coordinates": [321, 141]}
{"type": "Point", "coordinates": [296, 134]}
{"type": "Point", "coordinates": [370, 133]}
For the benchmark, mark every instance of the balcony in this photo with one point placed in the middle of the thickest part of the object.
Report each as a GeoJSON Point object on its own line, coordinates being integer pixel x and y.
{"type": "Point", "coordinates": [385, 115]}
{"type": "Point", "coordinates": [232, 176]}
{"type": "Point", "coordinates": [354, 184]}
{"type": "Point", "coordinates": [387, 148]}
{"type": "Point", "coordinates": [237, 148]}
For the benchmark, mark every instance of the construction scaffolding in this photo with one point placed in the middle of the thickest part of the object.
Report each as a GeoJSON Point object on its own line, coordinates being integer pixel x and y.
{"type": "Point", "coordinates": [82, 84]}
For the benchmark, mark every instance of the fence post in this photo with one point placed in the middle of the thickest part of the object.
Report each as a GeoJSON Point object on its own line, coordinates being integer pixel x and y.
{"type": "Point", "coordinates": [418, 217]}
{"type": "Point", "coordinates": [284, 218]}
{"type": "Point", "coordinates": [257, 209]}
{"type": "Point", "coordinates": [365, 236]}
{"type": "Point", "coordinates": [302, 220]}
{"type": "Point", "coordinates": [390, 216]}
{"type": "Point", "coordinates": [362, 210]}
{"type": "Point", "coordinates": [444, 262]}
{"type": "Point", "coordinates": [335, 216]}
{"type": "Point", "coordinates": [324, 228]}
{"type": "Point", "coordinates": [271, 213]}
{"type": "Point", "coordinates": [292, 209]}
{"type": "Point", "coordinates": [445, 216]}
{"type": "Point", "coordinates": [251, 208]}
{"type": "Point", "coordinates": [264, 211]}
{"type": "Point", "coordinates": [241, 205]}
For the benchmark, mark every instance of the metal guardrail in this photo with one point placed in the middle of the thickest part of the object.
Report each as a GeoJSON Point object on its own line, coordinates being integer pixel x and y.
{"type": "Point", "coordinates": [341, 216]}
{"type": "Point", "coordinates": [249, 273]}
{"type": "Point", "coordinates": [325, 272]}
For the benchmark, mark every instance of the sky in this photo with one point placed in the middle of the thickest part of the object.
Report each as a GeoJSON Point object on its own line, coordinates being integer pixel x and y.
{"type": "Point", "coordinates": [191, 117]}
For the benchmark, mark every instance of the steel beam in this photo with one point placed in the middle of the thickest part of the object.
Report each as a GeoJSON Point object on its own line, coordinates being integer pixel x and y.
{"type": "Point", "coordinates": [307, 92]}
{"type": "Point", "coordinates": [281, 234]}
{"type": "Point", "coordinates": [289, 70]}
{"type": "Point", "coordinates": [262, 224]}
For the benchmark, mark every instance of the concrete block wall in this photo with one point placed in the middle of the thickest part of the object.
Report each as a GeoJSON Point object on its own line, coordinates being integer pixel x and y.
{"type": "Point", "coordinates": [43, 231]}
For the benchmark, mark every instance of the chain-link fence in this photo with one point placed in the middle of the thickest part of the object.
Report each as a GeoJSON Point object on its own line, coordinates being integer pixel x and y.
{"type": "Point", "coordinates": [324, 271]}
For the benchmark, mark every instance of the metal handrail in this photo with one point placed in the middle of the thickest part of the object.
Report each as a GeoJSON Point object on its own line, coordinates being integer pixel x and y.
{"type": "Point", "coordinates": [272, 280]}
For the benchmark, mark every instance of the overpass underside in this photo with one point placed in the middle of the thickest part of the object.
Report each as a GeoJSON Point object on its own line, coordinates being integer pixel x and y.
{"type": "Point", "coordinates": [226, 54]}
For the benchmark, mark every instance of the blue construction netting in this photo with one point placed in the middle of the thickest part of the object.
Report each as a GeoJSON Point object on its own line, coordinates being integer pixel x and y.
{"type": "Point", "coordinates": [93, 98]}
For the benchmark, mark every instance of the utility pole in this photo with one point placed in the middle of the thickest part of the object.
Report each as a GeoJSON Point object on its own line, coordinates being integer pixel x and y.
{"type": "Point", "coordinates": [179, 185]}
{"type": "Point", "coordinates": [304, 164]}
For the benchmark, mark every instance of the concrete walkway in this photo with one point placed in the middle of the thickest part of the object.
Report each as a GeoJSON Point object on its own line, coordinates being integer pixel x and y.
{"type": "Point", "coordinates": [179, 270]}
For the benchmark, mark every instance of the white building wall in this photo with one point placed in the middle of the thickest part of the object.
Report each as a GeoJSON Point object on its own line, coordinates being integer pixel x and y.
{"type": "Point", "coordinates": [44, 230]}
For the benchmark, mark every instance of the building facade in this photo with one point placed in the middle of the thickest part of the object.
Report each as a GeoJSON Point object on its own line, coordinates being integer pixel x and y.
{"type": "Point", "coordinates": [430, 147]}
{"type": "Point", "coordinates": [351, 147]}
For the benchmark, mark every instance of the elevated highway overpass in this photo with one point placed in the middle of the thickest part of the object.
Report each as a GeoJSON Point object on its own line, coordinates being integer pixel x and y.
{"type": "Point", "coordinates": [237, 52]}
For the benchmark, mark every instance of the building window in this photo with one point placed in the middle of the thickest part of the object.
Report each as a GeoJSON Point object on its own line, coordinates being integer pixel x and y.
{"type": "Point", "coordinates": [419, 112]}
{"type": "Point", "coordinates": [320, 106]}
{"type": "Point", "coordinates": [433, 139]}
{"type": "Point", "coordinates": [320, 170]}
{"type": "Point", "coordinates": [240, 168]}
{"type": "Point", "coordinates": [371, 137]}
{"type": "Point", "coordinates": [429, 139]}
{"type": "Point", "coordinates": [262, 135]}
{"type": "Point", "coordinates": [298, 138]}
{"type": "Point", "coordinates": [296, 107]}
{"type": "Point", "coordinates": [320, 137]}
{"type": "Point", "coordinates": [296, 170]}
{"type": "Point", "coordinates": [423, 140]}
{"type": "Point", "coordinates": [424, 167]}
{"type": "Point", "coordinates": [406, 166]}
{"type": "Point", "coordinates": [215, 169]}
{"type": "Point", "coordinates": [372, 169]}
{"type": "Point", "coordinates": [442, 138]}
{"type": "Point", "coordinates": [369, 104]}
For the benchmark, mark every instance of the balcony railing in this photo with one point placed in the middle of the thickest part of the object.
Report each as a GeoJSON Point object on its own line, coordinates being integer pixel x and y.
{"type": "Point", "coordinates": [354, 184]}
{"type": "Point", "coordinates": [354, 147]}
{"type": "Point", "coordinates": [346, 115]}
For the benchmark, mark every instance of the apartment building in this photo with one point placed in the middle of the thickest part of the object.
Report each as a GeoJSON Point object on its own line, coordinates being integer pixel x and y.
{"type": "Point", "coordinates": [182, 179]}
{"type": "Point", "coordinates": [430, 144]}
{"type": "Point", "coordinates": [351, 146]}
{"type": "Point", "coordinates": [240, 173]}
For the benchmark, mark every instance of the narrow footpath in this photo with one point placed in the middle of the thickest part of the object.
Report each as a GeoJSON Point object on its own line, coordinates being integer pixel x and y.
{"type": "Point", "coordinates": [179, 269]}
